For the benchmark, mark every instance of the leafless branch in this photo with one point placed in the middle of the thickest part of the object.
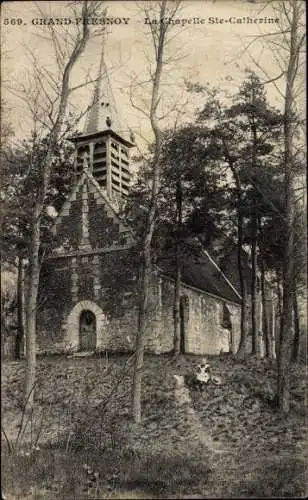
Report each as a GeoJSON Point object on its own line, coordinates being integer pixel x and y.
{"type": "Point", "coordinates": [274, 79]}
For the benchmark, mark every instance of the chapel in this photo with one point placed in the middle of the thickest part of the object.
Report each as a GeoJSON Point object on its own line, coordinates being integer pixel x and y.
{"type": "Point", "coordinates": [88, 292]}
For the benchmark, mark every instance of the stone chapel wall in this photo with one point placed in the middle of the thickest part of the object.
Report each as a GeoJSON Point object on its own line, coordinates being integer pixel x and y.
{"type": "Point", "coordinates": [204, 331]}
{"type": "Point", "coordinates": [108, 283]}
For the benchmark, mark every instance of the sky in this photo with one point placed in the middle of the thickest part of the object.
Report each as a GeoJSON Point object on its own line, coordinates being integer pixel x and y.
{"type": "Point", "coordinates": [211, 53]}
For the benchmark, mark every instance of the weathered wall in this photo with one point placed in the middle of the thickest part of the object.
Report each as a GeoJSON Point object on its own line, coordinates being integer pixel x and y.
{"type": "Point", "coordinates": [93, 275]}
{"type": "Point", "coordinates": [95, 271]}
{"type": "Point", "coordinates": [86, 216]}
{"type": "Point", "coordinates": [106, 284]}
{"type": "Point", "coordinates": [107, 280]}
{"type": "Point", "coordinates": [204, 331]}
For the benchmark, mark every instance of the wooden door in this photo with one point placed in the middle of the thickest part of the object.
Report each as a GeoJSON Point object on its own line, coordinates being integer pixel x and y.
{"type": "Point", "coordinates": [87, 331]}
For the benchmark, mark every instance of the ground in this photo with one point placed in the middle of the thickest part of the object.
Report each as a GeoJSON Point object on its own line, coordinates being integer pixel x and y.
{"type": "Point", "coordinates": [225, 442]}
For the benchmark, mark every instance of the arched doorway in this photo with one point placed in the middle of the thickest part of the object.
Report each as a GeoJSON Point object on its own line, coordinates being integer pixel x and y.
{"type": "Point", "coordinates": [71, 325]}
{"type": "Point", "coordinates": [87, 331]}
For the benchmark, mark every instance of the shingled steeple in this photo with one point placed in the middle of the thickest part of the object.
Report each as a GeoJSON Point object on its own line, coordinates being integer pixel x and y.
{"type": "Point", "coordinates": [103, 141]}
{"type": "Point", "coordinates": [103, 112]}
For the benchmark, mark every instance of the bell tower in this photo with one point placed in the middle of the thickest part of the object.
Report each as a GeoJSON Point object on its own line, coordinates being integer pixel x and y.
{"type": "Point", "coordinates": [103, 142]}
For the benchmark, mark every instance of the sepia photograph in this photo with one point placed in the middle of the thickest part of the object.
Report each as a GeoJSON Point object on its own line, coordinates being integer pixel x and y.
{"type": "Point", "coordinates": [153, 249]}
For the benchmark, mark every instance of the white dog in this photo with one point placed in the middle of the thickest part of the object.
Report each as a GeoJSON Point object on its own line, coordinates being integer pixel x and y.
{"type": "Point", "coordinates": [203, 372]}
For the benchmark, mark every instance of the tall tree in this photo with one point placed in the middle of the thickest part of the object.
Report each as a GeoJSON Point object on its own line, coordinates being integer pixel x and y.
{"type": "Point", "coordinates": [158, 31]}
{"type": "Point", "coordinates": [293, 14]}
{"type": "Point", "coordinates": [246, 133]}
{"type": "Point", "coordinates": [262, 144]}
{"type": "Point", "coordinates": [226, 136]}
{"type": "Point", "coordinates": [190, 201]}
{"type": "Point", "coordinates": [193, 196]}
{"type": "Point", "coordinates": [286, 44]}
{"type": "Point", "coordinates": [300, 274]}
{"type": "Point", "coordinates": [177, 287]}
{"type": "Point", "coordinates": [47, 99]}
{"type": "Point", "coordinates": [193, 177]}
{"type": "Point", "coordinates": [21, 185]}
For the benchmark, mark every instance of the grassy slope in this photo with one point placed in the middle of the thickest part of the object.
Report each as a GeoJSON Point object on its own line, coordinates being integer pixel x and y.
{"type": "Point", "coordinates": [83, 410]}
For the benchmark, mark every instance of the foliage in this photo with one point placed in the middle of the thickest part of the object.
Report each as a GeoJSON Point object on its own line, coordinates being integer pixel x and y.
{"type": "Point", "coordinates": [187, 159]}
{"type": "Point", "coordinates": [197, 155]}
{"type": "Point", "coordinates": [22, 185]}
{"type": "Point", "coordinates": [160, 457]}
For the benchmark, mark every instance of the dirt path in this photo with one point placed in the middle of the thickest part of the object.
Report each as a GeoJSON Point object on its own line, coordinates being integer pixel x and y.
{"type": "Point", "coordinates": [184, 402]}
{"type": "Point", "coordinates": [246, 470]}
{"type": "Point", "coordinates": [222, 457]}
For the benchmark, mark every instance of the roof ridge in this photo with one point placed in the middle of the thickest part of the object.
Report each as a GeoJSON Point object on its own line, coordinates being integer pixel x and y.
{"type": "Point", "coordinates": [193, 287]}
{"type": "Point", "coordinates": [221, 272]}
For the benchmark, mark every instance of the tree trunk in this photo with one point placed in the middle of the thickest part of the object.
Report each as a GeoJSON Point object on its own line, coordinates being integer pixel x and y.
{"type": "Point", "coordinates": [279, 297]}
{"type": "Point", "coordinates": [255, 347]}
{"type": "Point", "coordinates": [144, 298]}
{"type": "Point", "coordinates": [286, 340]}
{"type": "Point", "coordinates": [177, 288]}
{"type": "Point", "coordinates": [34, 273]}
{"type": "Point", "coordinates": [285, 344]}
{"type": "Point", "coordinates": [176, 306]}
{"type": "Point", "coordinates": [295, 347]}
{"type": "Point", "coordinates": [20, 308]}
{"type": "Point", "coordinates": [242, 351]}
{"type": "Point", "coordinates": [265, 323]}
{"type": "Point", "coordinates": [140, 339]}
{"type": "Point", "coordinates": [34, 264]}
{"type": "Point", "coordinates": [159, 44]}
{"type": "Point", "coordinates": [255, 341]}
{"type": "Point", "coordinates": [279, 319]}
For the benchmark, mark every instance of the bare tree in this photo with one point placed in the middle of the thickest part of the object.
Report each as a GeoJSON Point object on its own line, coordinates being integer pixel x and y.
{"type": "Point", "coordinates": [294, 16]}
{"type": "Point", "coordinates": [287, 45]}
{"type": "Point", "coordinates": [255, 348]}
{"type": "Point", "coordinates": [47, 98]}
{"type": "Point", "coordinates": [154, 10]}
{"type": "Point", "coordinates": [242, 351]}
{"type": "Point", "coordinates": [177, 288]}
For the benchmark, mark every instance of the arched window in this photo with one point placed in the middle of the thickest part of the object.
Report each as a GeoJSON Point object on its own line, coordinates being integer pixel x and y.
{"type": "Point", "coordinates": [226, 317]}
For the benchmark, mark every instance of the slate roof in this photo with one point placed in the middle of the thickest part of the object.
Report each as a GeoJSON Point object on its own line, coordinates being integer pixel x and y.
{"type": "Point", "coordinates": [227, 259]}
{"type": "Point", "coordinates": [199, 270]}
{"type": "Point", "coordinates": [228, 264]}
{"type": "Point", "coordinates": [103, 107]}
{"type": "Point", "coordinates": [106, 132]}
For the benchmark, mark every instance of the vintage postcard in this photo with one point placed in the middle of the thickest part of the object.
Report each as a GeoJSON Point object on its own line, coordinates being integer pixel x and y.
{"type": "Point", "coordinates": [153, 249]}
